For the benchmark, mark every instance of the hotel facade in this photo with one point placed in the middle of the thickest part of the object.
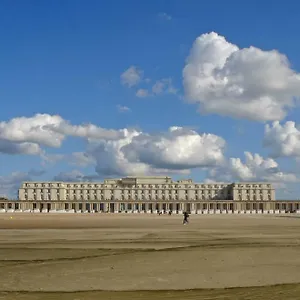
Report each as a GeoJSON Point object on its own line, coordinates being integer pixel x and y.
{"type": "Point", "coordinates": [148, 194]}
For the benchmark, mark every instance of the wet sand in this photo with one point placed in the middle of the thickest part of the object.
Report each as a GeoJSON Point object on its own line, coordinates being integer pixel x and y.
{"type": "Point", "coordinates": [89, 256]}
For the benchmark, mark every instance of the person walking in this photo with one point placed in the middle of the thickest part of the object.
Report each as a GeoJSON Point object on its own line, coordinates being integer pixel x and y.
{"type": "Point", "coordinates": [185, 218]}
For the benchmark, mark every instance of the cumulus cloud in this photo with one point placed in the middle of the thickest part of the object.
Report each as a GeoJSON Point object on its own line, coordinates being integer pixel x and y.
{"type": "Point", "coordinates": [142, 93]}
{"type": "Point", "coordinates": [162, 86]}
{"type": "Point", "coordinates": [254, 168]}
{"type": "Point", "coordinates": [115, 152]}
{"type": "Point", "coordinates": [142, 153]}
{"type": "Point", "coordinates": [178, 148]}
{"type": "Point", "coordinates": [132, 76]}
{"type": "Point", "coordinates": [81, 159]}
{"type": "Point", "coordinates": [71, 176]}
{"type": "Point", "coordinates": [87, 131]}
{"type": "Point", "coordinates": [26, 135]}
{"type": "Point", "coordinates": [283, 140]}
{"type": "Point", "coordinates": [10, 184]}
{"type": "Point", "coordinates": [48, 158]}
{"type": "Point", "coordinates": [165, 16]}
{"type": "Point", "coordinates": [32, 130]}
{"type": "Point", "coordinates": [8, 147]}
{"type": "Point", "coordinates": [74, 176]}
{"type": "Point", "coordinates": [123, 109]}
{"type": "Point", "coordinates": [243, 83]}
{"type": "Point", "coordinates": [138, 153]}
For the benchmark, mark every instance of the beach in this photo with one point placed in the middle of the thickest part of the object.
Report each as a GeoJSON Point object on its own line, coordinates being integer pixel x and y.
{"type": "Point", "coordinates": [139, 256]}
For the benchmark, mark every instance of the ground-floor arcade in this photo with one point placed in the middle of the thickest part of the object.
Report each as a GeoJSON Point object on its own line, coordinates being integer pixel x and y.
{"type": "Point", "coordinates": [195, 207]}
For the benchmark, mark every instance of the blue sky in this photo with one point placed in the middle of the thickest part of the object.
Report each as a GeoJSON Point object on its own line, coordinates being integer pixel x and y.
{"type": "Point", "coordinates": [67, 58]}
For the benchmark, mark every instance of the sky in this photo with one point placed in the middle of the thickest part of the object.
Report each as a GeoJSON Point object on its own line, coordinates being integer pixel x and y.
{"type": "Point", "coordinates": [190, 89]}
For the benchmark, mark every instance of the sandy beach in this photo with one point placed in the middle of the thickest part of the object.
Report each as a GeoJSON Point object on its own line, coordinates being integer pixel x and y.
{"type": "Point", "coordinates": [43, 256]}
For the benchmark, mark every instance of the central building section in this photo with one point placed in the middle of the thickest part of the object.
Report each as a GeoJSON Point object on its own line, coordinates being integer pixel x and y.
{"type": "Point", "coordinates": [148, 188]}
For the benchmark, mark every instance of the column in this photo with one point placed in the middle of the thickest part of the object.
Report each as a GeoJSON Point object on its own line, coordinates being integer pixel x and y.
{"type": "Point", "coordinates": [180, 207]}
{"type": "Point", "coordinates": [192, 207]}
{"type": "Point", "coordinates": [116, 207]}
{"type": "Point", "coordinates": [167, 207]}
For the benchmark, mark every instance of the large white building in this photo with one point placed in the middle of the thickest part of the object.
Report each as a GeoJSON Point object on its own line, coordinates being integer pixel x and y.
{"type": "Point", "coordinates": [146, 188]}
{"type": "Point", "coordinates": [148, 194]}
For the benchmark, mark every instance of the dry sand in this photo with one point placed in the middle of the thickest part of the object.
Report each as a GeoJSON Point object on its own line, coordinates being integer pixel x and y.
{"type": "Point", "coordinates": [42, 256]}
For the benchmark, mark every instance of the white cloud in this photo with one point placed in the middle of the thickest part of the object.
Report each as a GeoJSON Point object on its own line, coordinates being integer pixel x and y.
{"type": "Point", "coordinates": [75, 176]}
{"type": "Point", "coordinates": [71, 176]}
{"type": "Point", "coordinates": [123, 109]}
{"type": "Point", "coordinates": [32, 130]}
{"type": "Point", "coordinates": [87, 131]}
{"type": "Point", "coordinates": [176, 151]}
{"type": "Point", "coordinates": [81, 159]}
{"type": "Point", "coordinates": [51, 158]}
{"type": "Point", "coordinates": [254, 168]}
{"type": "Point", "coordinates": [142, 93]}
{"type": "Point", "coordinates": [141, 153]}
{"type": "Point", "coordinates": [283, 140]}
{"type": "Point", "coordinates": [162, 86]}
{"type": "Point", "coordinates": [124, 151]}
{"type": "Point", "coordinates": [165, 16]}
{"type": "Point", "coordinates": [10, 184]}
{"type": "Point", "coordinates": [158, 87]}
{"type": "Point", "coordinates": [243, 83]}
{"type": "Point", "coordinates": [12, 148]}
{"type": "Point", "coordinates": [26, 135]}
{"type": "Point", "coordinates": [132, 76]}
